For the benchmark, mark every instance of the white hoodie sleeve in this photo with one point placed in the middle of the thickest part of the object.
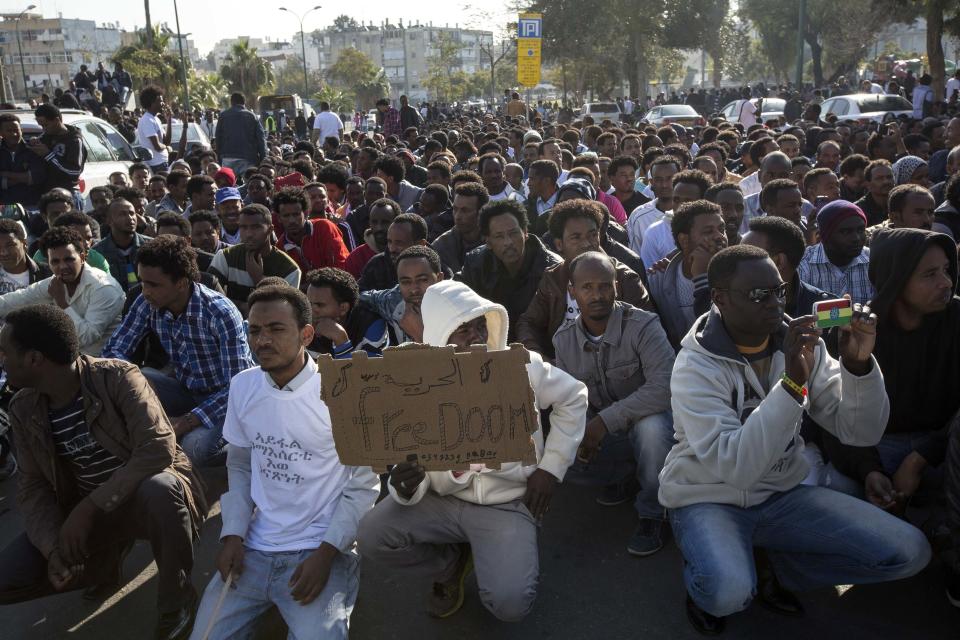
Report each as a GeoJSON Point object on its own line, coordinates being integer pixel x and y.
{"type": "Point", "coordinates": [567, 397]}
{"type": "Point", "coordinates": [853, 408]}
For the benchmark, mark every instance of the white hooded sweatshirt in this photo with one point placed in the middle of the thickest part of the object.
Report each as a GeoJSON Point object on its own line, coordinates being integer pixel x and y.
{"type": "Point", "coordinates": [448, 304]}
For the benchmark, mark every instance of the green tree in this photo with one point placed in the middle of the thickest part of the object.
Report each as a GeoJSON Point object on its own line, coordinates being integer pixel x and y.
{"type": "Point", "coordinates": [355, 73]}
{"type": "Point", "coordinates": [246, 72]}
{"type": "Point", "coordinates": [443, 79]}
{"type": "Point", "coordinates": [943, 16]}
{"type": "Point", "coordinates": [288, 77]}
{"type": "Point", "coordinates": [344, 22]}
{"type": "Point", "coordinates": [207, 90]}
{"type": "Point", "coordinates": [340, 101]}
{"type": "Point", "coordinates": [150, 61]}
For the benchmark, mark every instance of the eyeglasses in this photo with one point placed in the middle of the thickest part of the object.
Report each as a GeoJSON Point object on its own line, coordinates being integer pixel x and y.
{"type": "Point", "coordinates": [758, 295]}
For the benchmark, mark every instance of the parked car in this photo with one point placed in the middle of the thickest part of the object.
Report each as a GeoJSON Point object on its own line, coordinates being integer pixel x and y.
{"type": "Point", "coordinates": [107, 150]}
{"type": "Point", "coordinates": [601, 111]}
{"type": "Point", "coordinates": [866, 107]}
{"type": "Point", "coordinates": [772, 109]}
{"type": "Point", "coordinates": [682, 114]}
{"type": "Point", "coordinates": [197, 139]}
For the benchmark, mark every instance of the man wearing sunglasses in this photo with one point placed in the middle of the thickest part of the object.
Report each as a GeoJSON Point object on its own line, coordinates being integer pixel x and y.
{"type": "Point", "coordinates": [741, 383]}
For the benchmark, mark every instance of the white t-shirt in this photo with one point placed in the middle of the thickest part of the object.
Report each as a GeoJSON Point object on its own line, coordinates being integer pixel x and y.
{"type": "Point", "coordinates": [746, 116]}
{"type": "Point", "coordinates": [150, 125]}
{"type": "Point", "coordinates": [570, 315]}
{"type": "Point", "coordinates": [13, 281]}
{"type": "Point", "coordinates": [296, 478]}
{"type": "Point", "coordinates": [921, 93]}
{"type": "Point", "coordinates": [657, 241]}
{"type": "Point", "coordinates": [953, 84]}
{"type": "Point", "coordinates": [328, 123]}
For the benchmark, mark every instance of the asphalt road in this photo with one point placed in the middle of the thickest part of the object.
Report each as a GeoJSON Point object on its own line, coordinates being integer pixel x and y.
{"type": "Point", "coordinates": [589, 588]}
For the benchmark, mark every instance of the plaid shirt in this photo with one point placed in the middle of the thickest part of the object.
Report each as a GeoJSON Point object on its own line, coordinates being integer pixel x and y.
{"type": "Point", "coordinates": [206, 343]}
{"type": "Point", "coordinates": [816, 270]}
{"type": "Point", "coordinates": [391, 123]}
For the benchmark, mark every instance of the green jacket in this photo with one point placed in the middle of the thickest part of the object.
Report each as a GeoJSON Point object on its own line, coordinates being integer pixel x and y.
{"type": "Point", "coordinates": [94, 259]}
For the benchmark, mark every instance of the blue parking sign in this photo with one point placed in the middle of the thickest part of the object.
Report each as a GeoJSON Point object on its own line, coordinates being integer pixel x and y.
{"type": "Point", "coordinates": [530, 28]}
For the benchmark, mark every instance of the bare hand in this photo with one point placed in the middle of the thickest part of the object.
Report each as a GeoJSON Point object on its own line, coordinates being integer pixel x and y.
{"type": "Point", "coordinates": [906, 480]}
{"type": "Point", "coordinates": [880, 491]}
{"type": "Point", "coordinates": [406, 477]}
{"type": "Point", "coordinates": [660, 266]}
{"type": "Point", "coordinates": [331, 330]}
{"type": "Point", "coordinates": [75, 532]}
{"type": "Point", "coordinates": [540, 487]}
{"type": "Point", "coordinates": [802, 337]}
{"type": "Point", "coordinates": [254, 266]}
{"type": "Point", "coordinates": [230, 557]}
{"type": "Point", "coordinates": [594, 433]}
{"type": "Point", "coordinates": [700, 257]}
{"type": "Point", "coordinates": [184, 424]}
{"type": "Point", "coordinates": [60, 574]}
{"type": "Point", "coordinates": [38, 147]}
{"type": "Point", "coordinates": [58, 291]}
{"type": "Point", "coordinates": [858, 339]}
{"type": "Point", "coordinates": [412, 322]}
{"type": "Point", "coordinates": [311, 575]}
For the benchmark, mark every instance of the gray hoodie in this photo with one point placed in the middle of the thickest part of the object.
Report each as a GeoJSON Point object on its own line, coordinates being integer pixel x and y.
{"type": "Point", "coordinates": [740, 453]}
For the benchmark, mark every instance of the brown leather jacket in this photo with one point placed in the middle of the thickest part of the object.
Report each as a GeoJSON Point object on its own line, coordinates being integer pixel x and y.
{"type": "Point", "coordinates": [125, 417]}
{"type": "Point", "coordinates": [547, 310]}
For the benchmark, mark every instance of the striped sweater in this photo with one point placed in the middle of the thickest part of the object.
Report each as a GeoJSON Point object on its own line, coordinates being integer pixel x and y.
{"type": "Point", "coordinates": [229, 266]}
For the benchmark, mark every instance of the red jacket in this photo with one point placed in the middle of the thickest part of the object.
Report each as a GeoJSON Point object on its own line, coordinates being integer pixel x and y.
{"type": "Point", "coordinates": [322, 246]}
{"type": "Point", "coordinates": [358, 259]}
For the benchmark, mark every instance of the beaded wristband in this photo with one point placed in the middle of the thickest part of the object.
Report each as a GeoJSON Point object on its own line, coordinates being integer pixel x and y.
{"type": "Point", "coordinates": [796, 388]}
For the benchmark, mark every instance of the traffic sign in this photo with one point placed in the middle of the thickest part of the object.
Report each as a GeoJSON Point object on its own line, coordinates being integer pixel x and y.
{"type": "Point", "coordinates": [529, 42]}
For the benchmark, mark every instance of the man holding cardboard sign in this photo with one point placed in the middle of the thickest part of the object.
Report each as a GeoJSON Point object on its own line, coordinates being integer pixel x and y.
{"type": "Point", "coordinates": [447, 522]}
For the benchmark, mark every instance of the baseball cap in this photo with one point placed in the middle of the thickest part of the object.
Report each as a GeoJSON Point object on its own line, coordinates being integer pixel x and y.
{"type": "Point", "coordinates": [227, 193]}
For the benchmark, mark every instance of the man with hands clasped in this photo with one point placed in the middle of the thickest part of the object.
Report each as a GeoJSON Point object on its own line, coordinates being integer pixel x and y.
{"type": "Point", "coordinates": [290, 516]}
{"type": "Point", "coordinates": [741, 383]}
{"type": "Point", "coordinates": [446, 523]}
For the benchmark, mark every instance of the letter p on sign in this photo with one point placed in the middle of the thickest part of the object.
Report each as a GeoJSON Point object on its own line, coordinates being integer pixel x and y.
{"type": "Point", "coordinates": [530, 28]}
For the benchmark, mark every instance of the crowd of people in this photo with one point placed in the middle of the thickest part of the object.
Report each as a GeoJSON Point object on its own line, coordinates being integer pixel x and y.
{"type": "Point", "coordinates": [662, 279]}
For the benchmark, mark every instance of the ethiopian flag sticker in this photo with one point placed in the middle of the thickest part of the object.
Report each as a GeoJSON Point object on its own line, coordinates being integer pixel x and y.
{"type": "Point", "coordinates": [833, 313]}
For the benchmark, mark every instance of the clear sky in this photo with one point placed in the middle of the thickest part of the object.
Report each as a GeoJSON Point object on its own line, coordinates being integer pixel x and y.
{"type": "Point", "coordinates": [212, 20]}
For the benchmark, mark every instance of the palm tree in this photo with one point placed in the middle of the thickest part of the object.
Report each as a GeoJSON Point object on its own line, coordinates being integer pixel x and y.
{"type": "Point", "coordinates": [246, 72]}
{"type": "Point", "coordinates": [150, 61]}
{"type": "Point", "coordinates": [148, 26]}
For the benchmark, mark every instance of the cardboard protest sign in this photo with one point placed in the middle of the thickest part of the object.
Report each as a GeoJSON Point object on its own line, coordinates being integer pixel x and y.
{"type": "Point", "coordinates": [450, 409]}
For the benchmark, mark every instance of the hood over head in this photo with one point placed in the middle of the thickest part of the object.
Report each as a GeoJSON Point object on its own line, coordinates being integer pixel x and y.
{"type": "Point", "coordinates": [448, 304]}
{"type": "Point", "coordinates": [894, 254]}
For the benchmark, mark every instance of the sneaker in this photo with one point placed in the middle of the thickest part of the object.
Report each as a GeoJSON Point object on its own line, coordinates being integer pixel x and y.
{"type": "Point", "coordinates": [953, 588]}
{"type": "Point", "coordinates": [618, 493]}
{"type": "Point", "coordinates": [447, 597]}
{"type": "Point", "coordinates": [8, 468]}
{"type": "Point", "coordinates": [646, 539]}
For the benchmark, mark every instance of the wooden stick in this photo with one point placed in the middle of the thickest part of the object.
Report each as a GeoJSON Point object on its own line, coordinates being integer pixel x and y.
{"type": "Point", "coordinates": [216, 609]}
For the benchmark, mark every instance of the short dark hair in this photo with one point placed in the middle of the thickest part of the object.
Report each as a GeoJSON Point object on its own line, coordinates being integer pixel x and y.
{"type": "Point", "coordinates": [714, 146]}
{"type": "Point", "coordinates": [868, 171]}
{"type": "Point", "coordinates": [56, 237]}
{"type": "Point", "coordinates": [771, 190]}
{"type": "Point", "coordinates": [438, 192]}
{"type": "Point", "coordinates": [389, 203]}
{"type": "Point", "coordinates": [333, 173]}
{"type": "Point", "coordinates": [545, 169]}
{"type": "Point", "coordinates": [196, 183]}
{"type": "Point", "coordinates": [176, 177]}
{"type": "Point", "coordinates": [258, 210]}
{"type": "Point", "coordinates": [815, 174]}
{"type": "Point", "coordinates": [171, 254]}
{"type": "Point", "coordinates": [342, 285]}
{"type": "Point", "coordinates": [622, 161]}
{"type": "Point", "coordinates": [440, 167]}
{"type": "Point", "coordinates": [203, 215]}
{"type": "Point", "coordinates": [473, 190]}
{"type": "Point", "coordinates": [76, 219]}
{"type": "Point", "coordinates": [490, 156]}
{"type": "Point", "coordinates": [237, 98]}
{"type": "Point", "coordinates": [48, 111]}
{"type": "Point", "coordinates": [284, 293]}
{"type": "Point", "coordinates": [418, 226]}
{"type": "Point", "coordinates": [268, 183]}
{"type": "Point", "coordinates": [563, 212]}
{"type": "Point", "coordinates": [899, 194]}
{"type": "Point", "coordinates": [720, 187]}
{"type": "Point", "coordinates": [465, 175]}
{"type": "Point", "coordinates": [289, 195]}
{"type": "Point", "coordinates": [422, 251]}
{"type": "Point", "coordinates": [47, 329]}
{"type": "Point", "coordinates": [390, 166]}
{"type": "Point", "coordinates": [137, 166]}
{"type": "Point", "coordinates": [757, 147]}
{"type": "Point", "coordinates": [149, 95]}
{"type": "Point", "coordinates": [53, 196]}
{"type": "Point", "coordinates": [666, 159]}
{"type": "Point", "coordinates": [499, 208]}
{"type": "Point", "coordinates": [783, 237]}
{"type": "Point", "coordinates": [13, 228]}
{"type": "Point", "coordinates": [695, 177]}
{"type": "Point", "coordinates": [686, 213]}
{"type": "Point", "coordinates": [724, 264]}
{"type": "Point", "coordinates": [171, 219]}
{"type": "Point", "coordinates": [853, 163]}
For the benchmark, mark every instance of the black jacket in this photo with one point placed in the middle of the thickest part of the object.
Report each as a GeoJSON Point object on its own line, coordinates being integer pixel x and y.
{"type": "Point", "coordinates": [65, 160]}
{"type": "Point", "coordinates": [22, 160]}
{"type": "Point", "coordinates": [485, 274]}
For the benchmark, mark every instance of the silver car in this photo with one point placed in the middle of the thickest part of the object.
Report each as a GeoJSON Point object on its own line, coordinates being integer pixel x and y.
{"type": "Point", "coordinates": [866, 107]}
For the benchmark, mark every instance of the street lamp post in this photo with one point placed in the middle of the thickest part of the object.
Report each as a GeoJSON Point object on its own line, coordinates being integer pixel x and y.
{"type": "Point", "coordinates": [303, 46]}
{"type": "Point", "coordinates": [23, 69]}
{"type": "Point", "coordinates": [183, 63]}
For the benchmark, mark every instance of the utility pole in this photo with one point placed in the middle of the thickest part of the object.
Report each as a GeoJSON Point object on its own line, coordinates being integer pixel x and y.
{"type": "Point", "coordinates": [303, 48]}
{"type": "Point", "coordinates": [801, 27]}
{"type": "Point", "coordinates": [3, 79]}
{"type": "Point", "coordinates": [183, 62]}
{"type": "Point", "coordinates": [23, 69]}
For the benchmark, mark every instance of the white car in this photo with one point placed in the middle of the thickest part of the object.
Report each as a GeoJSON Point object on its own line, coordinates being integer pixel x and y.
{"type": "Point", "coordinates": [682, 114]}
{"type": "Point", "coordinates": [866, 107]}
{"type": "Point", "coordinates": [197, 139]}
{"type": "Point", "coordinates": [107, 150]}
{"type": "Point", "coordinates": [601, 111]}
{"type": "Point", "coordinates": [772, 109]}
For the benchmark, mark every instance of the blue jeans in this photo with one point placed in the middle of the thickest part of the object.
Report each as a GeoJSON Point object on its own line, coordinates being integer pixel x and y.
{"type": "Point", "coordinates": [265, 582]}
{"type": "Point", "coordinates": [639, 450]}
{"type": "Point", "coordinates": [894, 447]}
{"type": "Point", "coordinates": [814, 537]}
{"type": "Point", "coordinates": [204, 446]}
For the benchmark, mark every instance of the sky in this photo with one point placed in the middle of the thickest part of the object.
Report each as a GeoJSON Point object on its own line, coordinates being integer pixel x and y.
{"type": "Point", "coordinates": [210, 21]}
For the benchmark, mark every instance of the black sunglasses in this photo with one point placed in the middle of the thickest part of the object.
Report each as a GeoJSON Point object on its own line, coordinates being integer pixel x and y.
{"type": "Point", "coordinates": [759, 295]}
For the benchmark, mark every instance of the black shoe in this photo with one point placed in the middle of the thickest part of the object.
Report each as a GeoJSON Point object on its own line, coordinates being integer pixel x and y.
{"type": "Point", "coordinates": [774, 597]}
{"type": "Point", "coordinates": [178, 624]}
{"type": "Point", "coordinates": [112, 575]}
{"type": "Point", "coordinates": [702, 621]}
{"type": "Point", "coordinates": [618, 493]}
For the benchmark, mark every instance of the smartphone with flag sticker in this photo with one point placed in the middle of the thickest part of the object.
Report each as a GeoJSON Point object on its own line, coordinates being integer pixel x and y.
{"type": "Point", "coordinates": [833, 313]}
